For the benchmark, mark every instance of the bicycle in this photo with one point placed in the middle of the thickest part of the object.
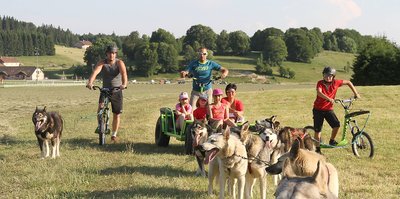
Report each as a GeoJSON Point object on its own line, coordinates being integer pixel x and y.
{"type": "Point", "coordinates": [103, 115]}
{"type": "Point", "coordinates": [361, 143]}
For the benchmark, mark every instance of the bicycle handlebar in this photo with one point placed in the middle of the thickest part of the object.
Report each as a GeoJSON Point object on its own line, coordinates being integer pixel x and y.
{"type": "Point", "coordinates": [107, 89]}
{"type": "Point", "coordinates": [346, 103]}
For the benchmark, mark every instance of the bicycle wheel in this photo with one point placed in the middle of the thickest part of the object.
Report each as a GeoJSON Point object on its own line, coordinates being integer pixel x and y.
{"type": "Point", "coordinates": [362, 145]}
{"type": "Point", "coordinates": [103, 129]}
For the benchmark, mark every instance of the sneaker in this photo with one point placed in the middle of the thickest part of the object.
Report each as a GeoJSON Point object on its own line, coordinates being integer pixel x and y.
{"type": "Point", "coordinates": [114, 138]}
{"type": "Point", "coordinates": [332, 142]}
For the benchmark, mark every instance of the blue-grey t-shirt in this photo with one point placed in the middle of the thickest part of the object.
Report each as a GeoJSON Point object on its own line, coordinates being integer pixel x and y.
{"type": "Point", "coordinates": [202, 72]}
{"type": "Point", "coordinates": [111, 75]}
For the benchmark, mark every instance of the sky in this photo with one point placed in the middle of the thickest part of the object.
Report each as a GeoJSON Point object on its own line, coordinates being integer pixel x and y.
{"type": "Point", "coordinates": [368, 17]}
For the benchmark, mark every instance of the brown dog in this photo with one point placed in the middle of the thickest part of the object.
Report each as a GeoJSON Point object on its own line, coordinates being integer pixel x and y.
{"type": "Point", "coordinates": [287, 136]}
{"type": "Point", "coordinates": [312, 187]}
{"type": "Point", "coordinates": [301, 162]}
{"type": "Point", "coordinates": [48, 128]}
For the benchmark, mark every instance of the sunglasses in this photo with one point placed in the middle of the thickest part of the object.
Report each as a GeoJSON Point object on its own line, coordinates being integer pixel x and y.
{"type": "Point", "coordinates": [202, 53]}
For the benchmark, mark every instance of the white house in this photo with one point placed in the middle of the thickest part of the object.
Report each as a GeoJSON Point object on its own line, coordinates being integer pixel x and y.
{"type": "Point", "coordinates": [83, 44]}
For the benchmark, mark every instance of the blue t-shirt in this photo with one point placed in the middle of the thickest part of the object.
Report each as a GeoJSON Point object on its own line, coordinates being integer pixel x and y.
{"type": "Point", "coordinates": [202, 72]}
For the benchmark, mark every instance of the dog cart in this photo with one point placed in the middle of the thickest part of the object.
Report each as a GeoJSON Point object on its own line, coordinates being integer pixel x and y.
{"type": "Point", "coordinates": [166, 128]}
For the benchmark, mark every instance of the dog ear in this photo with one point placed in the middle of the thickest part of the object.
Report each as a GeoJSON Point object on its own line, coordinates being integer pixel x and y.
{"type": "Point", "coordinates": [37, 108]}
{"type": "Point", "coordinates": [295, 148]}
{"type": "Point", "coordinates": [44, 108]}
{"type": "Point", "coordinates": [319, 180]}
{"type": "Point", "coordinates": [276, 124]}
{"type": "Point", "coordinates": [226, 133]}
{"type": "Point", "coordinates": [245, 126]}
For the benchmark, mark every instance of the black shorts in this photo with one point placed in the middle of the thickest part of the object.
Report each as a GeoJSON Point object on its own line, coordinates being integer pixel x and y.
{"type": "Point", "coordinates": [116, 100]}
{"type": "Point", "coordinates": [329, 116]}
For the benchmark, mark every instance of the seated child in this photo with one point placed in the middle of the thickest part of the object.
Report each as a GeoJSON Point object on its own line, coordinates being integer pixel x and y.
{"type": "Point", "coordinates": [183, 110]}
{"type": "Point", "coordinates": [202, 109]}
{"type": "Point", "coordinates": [219, 112]}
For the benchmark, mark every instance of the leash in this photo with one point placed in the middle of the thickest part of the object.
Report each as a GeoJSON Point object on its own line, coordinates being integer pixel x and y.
{"type": "Point", "coordinates": [255, 158]}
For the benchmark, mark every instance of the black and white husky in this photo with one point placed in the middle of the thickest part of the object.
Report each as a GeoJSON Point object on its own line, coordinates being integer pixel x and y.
{"type": "Point", "coordinates": [48, 128]}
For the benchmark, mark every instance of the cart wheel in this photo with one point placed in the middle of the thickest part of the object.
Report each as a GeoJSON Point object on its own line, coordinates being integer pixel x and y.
{"type": "Point", "coordinates": [362, 145]}
{"type": "Point", "coordinates": [160, 138]}
{"type": "Point", "coordinates": [188, 140]}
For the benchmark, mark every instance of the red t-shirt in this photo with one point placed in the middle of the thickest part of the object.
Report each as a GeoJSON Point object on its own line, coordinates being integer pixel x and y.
{"type": "Point", "coordinates": [200, 113]}
{"type": "Point", "coordinates": [237, 105]}
{"type": "Point", "coordinates": [330, 91]}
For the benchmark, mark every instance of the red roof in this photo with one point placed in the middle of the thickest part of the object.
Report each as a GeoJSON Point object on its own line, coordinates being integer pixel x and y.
{"type": "Point", "coordinates": [12, 71]}
{"type": "Point", "coordinates": [8, 60]}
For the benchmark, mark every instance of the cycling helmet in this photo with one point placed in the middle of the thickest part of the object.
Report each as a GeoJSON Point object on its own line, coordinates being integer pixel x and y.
{"type": "Point", "coordinates": [329, 71]}
{"type": "Point", "coordinates": [111, 48]}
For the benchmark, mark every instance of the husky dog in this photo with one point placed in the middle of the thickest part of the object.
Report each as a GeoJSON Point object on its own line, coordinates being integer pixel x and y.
{"type": "Point", "coordinates": [270, 126]}
{"type": "Point", "coordinates": [200, 131]}
{"type": "Point", "coordinates": [287, 135]}
{"type": "Point", "coordinates": [301, 162]}
{"type": "Point", "coordinates": [259, 150]}
{"type": "Point", "coordinates": [313, 187]}
{"type": "Point", "coordinates": [48, 128]}
{"type": "Point", "coordinates": [227, 159]}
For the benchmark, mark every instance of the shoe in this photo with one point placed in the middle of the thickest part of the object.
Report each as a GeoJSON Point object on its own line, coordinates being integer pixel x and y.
{"type": "Point", "coordinates": [333, 143]}
{"type": "Point", "coordinates": [114, 138]}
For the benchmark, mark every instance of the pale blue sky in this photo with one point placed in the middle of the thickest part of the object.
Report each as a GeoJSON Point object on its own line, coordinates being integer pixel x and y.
{"type": "Point", "coordinates": [369, 17]}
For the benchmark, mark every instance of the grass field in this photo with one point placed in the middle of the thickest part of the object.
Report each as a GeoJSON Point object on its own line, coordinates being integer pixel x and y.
{"type": "Point", "coordinates": [136, 168]}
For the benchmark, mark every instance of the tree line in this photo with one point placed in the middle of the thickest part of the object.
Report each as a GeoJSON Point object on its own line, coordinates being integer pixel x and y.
{"type": "Point", "coordinates": [158, 53]}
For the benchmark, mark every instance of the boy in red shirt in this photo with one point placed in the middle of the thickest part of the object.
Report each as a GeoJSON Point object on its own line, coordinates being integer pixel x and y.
{"type": "Point", "coordinates": [236, 108]}
{"type": "Point", "coordinates": [323, 104]}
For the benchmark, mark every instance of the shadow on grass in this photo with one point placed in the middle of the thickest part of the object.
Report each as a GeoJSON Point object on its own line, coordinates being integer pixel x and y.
{"type": "Point", "coordinates": [162, 170]}
{"type": "Point", "coordinates": [138, 192]}
{"type": "Point", "coordinates": [143, 148]}
{"type": "Point", "coordinates": [147, 148]}
{"type": "Point", "coordinates": [12, 140]}
{"type": "Point", "coordinates": [93, 143]}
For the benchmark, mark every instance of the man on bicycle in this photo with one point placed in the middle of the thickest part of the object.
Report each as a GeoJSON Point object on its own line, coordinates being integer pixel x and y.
{"type": "Point", "coordinates": [114, 75]}
{"type": "Point", "coordinates": [202, 71]}
{"type": "Point", "coordinates": [323, 104]}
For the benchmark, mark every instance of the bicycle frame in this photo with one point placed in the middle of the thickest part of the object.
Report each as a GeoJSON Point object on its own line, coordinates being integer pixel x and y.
{"type": "Point", "coordinates": [349, 122]}
{"type": "Point", "coordinates": [103, 115]}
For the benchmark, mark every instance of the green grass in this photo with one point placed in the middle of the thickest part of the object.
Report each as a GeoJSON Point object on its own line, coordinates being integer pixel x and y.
{"type": "Point", "coordinates": [136, 168]}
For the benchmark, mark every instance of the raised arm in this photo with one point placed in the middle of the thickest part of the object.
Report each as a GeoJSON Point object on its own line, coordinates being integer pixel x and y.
{"type": "Point", "coordinates": [352, 87]}
{"type": "Point", "coordinates": [224, 72]}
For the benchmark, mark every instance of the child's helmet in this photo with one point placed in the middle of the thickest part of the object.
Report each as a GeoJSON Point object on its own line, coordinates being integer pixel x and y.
{"type": "Point", "coordinates": [329, 71]}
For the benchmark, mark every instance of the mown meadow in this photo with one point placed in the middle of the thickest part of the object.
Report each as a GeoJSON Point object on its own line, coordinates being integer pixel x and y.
{"type": "Point", "coordinates": [135, 167]}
